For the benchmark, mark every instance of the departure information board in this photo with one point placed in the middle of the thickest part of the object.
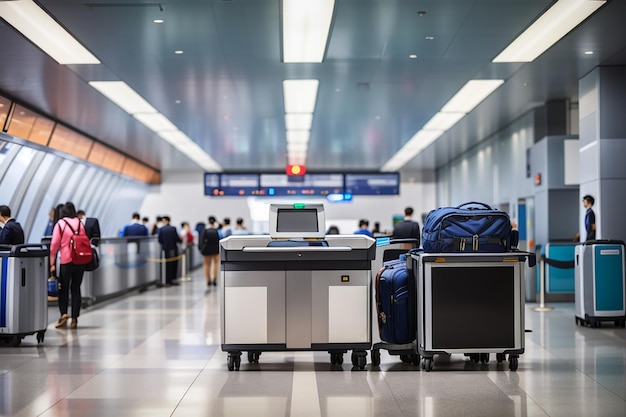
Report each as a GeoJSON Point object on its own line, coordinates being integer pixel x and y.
{"type": "Point", "coordinates": [373, 184]}
{"type": "Point", "coordinates": [310, 184]}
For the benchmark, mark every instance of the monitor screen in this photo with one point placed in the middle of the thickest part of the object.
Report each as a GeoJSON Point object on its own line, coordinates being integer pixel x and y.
{"type": "Point", "coordinates": [296, 220]}
{"type": "Point", "coordinates": [299, 220]}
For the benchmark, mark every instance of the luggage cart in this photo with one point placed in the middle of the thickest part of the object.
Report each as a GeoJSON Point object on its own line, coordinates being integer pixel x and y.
{"type": "Point", "coordinates": [471, 304]}
{"type": "Point", "coordinates": [388, 249]}
{"type": "Point", "coordinates": [23, 292]}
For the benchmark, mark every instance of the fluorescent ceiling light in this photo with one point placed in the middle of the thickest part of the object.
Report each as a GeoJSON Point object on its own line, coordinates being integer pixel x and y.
{"type": "Point", "coordinates": [472, 93]}
{"type": "Point", "coordinates": [306, 25]}
{"type": "Point", "coordinates": [296, 160]}
{"type": "Point", "coordinates": [121, 94]}
{"type": "Point", "coordinates": [174, 137]}
{"type": "Point", "coordinates": [298, 136]}
{"type": "Point", "coordinates": [297, 147]}
{"type": "Point", "coordinates": [297, 154]}
{"type": "Point", "coordinates": [554, 24]}
{"type": "Point", "coordinates": [300, 95]}
{"type": "Point", "coordinates": [41, 29]}
{"type": "Point", "coordinates": [190, 149]}
{"type": "Point", "coordinates": [298, 121]}
{"type": "Point", "coordinates": [421, 140]}
{"type": "Point", "coordinates": [443, 121]}
{"type": "Point", "coordinates": [155, 122]}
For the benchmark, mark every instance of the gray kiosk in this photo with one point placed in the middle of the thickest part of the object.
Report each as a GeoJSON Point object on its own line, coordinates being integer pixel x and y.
{"type": "Point", "coordinates": [296, 289]}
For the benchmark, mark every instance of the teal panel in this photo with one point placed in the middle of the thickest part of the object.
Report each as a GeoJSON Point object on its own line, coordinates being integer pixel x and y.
{"type": "Point", "coordinates": [560, 280]}
{"type": "Point", "coordinates": [609, 277]}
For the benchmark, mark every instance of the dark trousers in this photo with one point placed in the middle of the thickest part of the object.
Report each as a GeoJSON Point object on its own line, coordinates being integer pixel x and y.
{"type": "Point", "coordinates": [171, 265]}
{"type": "Point", "coordinates": [70, 278]}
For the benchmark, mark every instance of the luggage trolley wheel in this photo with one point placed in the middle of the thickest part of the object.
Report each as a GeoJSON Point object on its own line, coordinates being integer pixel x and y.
{"type": "Point", "coordinates": [513, 362]}
{"type": "Point", "coordinates": [253, 356]}
{"type": "Point", "coordinates": [427, 364]}
{"type": "Point", "coordinates": [234, 361]}
{"type": "Point", "coordinates": [500, 357]}
{"type": "Point", "coordinates": [16, 340]}
{"type": "Point", "coordinates": [376, 357]}
{"type": "Point", "coordinates": [484, 358]}
{"type": "Point", "coordinates": [359, 359]}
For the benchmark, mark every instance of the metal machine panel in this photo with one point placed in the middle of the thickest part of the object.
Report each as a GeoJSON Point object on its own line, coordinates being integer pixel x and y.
{"type": "Point", "coordinates": [298, 309]}
{"type": "Point", "coordinates": [273, 302]}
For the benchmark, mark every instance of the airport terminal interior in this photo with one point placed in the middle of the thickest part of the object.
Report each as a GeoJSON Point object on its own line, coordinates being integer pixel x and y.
{"type": "Point", "coordinates": [158, 353]}
{"type": "Point", "coordinates": [333, 113]}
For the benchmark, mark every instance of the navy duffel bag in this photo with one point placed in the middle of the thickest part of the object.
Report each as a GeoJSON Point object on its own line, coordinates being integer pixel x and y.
{"type": "Point", "coordinates": [470, 227]}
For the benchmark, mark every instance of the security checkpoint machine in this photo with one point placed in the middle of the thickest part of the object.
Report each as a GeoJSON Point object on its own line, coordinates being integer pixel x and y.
{"type": "Point", "coordinates": [296, 289]}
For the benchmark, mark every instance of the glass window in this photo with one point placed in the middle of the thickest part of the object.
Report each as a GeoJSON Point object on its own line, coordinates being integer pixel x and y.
{"type": "Point", "coordinates": [37, 186]}
{"type": "Point", "coordinates": [15, 173]}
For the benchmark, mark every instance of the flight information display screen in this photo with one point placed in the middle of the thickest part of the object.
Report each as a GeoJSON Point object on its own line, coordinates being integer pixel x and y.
{"type": "Point", "coordinates": [239, 184]}
{"type": "Point", "coordinates": [311, 184]}
{"type": "Point", "coordinates": [308, 184]}
{"type": "Point", "coordinates": [373, 184]}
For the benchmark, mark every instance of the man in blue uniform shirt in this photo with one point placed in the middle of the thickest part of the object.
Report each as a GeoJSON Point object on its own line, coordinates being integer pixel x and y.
{"type": "Point", "coordinates": [135, 227]}
{"type": "Point", "coordinates": [11, 233]}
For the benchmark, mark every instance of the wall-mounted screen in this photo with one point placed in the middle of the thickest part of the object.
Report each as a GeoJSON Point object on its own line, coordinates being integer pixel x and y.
{"type": "Point", "coordinates": [239, 184]}
{"type": "Point", "coordinates": [211, 184]}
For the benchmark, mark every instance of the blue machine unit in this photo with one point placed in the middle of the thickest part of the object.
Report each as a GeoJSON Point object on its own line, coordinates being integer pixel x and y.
{"type": "Point", "coordinates": [600, 284]}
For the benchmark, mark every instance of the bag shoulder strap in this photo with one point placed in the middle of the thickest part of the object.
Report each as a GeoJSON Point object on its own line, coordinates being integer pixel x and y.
{"type": "Point", "coordinates": [72, 229]}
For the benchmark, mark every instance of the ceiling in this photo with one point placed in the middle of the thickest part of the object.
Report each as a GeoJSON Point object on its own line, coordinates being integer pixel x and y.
{"type": "Point", "coordinates": [225, 90]}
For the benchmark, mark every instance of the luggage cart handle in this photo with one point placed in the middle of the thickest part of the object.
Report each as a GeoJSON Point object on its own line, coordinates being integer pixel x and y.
{"type": "Point", "coordinates": [27, 250]}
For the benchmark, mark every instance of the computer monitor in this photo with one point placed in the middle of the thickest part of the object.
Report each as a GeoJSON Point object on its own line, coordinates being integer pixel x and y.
{"type": "Point", "coordinates": [299, 220]}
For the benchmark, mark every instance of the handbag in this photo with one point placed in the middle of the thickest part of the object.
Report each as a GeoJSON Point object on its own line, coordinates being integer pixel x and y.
{"type": "Point", "coordinates": [95, 260]}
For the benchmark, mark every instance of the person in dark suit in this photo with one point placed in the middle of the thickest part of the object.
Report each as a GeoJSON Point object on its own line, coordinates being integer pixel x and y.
{"type": "Point", "coordinates": [169, 240]}
{"type": "Point", "coordinates": [92, 227]}
{"type": "Point", "coordinates": [407, 228]}
{"type": "Point", "coordinates": [12, 232]}
{"type": "Point", "coordinates": [135, 227]}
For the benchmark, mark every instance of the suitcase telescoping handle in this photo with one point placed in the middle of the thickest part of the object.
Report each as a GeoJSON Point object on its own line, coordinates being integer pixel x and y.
{"type": "Point", "coordinates": [469, 205]}
{"type": "Point", "coordinates": [30, 250]}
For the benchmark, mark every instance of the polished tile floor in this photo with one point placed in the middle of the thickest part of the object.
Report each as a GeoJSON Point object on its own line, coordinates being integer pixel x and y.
{"type": "Point", "coordinates": [158, 354]}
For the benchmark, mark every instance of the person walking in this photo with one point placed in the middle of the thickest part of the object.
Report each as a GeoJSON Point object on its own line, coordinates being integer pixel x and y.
{"type": "Point", "coordinates": [70, 275]}
{"type": "Point", "coordinates": [209, 245]}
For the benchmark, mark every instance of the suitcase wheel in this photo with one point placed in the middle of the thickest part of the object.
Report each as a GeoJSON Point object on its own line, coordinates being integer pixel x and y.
{"type": "Point", "coordinates": [40, 336]}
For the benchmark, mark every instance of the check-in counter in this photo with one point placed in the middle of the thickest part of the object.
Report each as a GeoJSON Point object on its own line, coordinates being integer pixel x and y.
{"type": "Point", "coordinates": [291, 296]}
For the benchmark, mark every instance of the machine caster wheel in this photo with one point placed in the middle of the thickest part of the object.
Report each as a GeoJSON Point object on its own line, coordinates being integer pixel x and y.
{"type": "Point", "coordinates": [513, 363]}
{"type": "Point", "coordinates": [375, 357]}
{"type": "Point", "coordinates": [336, 358]}
{"type": "Point", "coordinates": [474, 357]}
{"type": "Point", "coordinates": [234, 361]}
{"type": "Point", "coordinates": [405, 358]}
{"type": "Point", "coordinates": [40, 336]}
{"type": "Point", "coordinates": [427, 364]}
{"type": "Point", "coordinates": [253, 357]}
{"type": "Point", "coordinates": [484, 358]}
{"type": "Point", "coordinates": [500, 357]}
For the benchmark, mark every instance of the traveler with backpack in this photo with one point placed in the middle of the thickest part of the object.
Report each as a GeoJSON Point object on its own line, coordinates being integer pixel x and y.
{"type": "Point", "coordinates": [69, 239]}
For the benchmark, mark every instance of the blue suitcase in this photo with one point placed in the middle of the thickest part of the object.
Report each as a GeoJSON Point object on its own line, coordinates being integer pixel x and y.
{"type": "Point", "coordinates": [395, 303]}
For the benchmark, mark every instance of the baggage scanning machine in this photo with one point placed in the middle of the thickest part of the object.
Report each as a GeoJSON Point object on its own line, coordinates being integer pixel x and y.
{"type": "Point", "coordinates": [296, 289]}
